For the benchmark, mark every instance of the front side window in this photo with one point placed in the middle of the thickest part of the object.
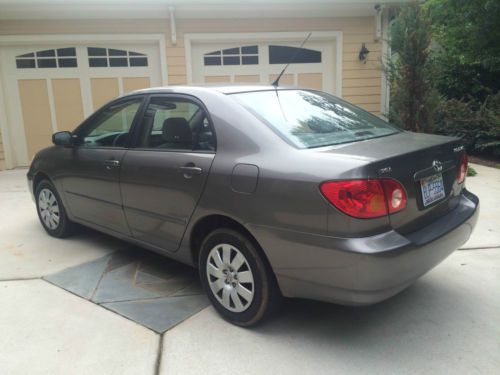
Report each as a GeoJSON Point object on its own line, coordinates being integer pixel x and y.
{"type": "Point", "coordinates": [176, 124]}
{"type": "Point", "coordinates": [310, 119]}
{"type": "Point", "coordinates": [111, 127]}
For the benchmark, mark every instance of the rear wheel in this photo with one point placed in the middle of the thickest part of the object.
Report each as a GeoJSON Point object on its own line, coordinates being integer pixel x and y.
{"type": "Point", "coordinates": [51, 212]}
{"type": "Point", "coordinates": [236, 278]}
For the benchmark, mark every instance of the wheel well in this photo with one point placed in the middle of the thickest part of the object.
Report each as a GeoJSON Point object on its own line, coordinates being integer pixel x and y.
{"type": "Point", "coordinates": [210, 223]}
{"type": "Point", "coordinates": [39, 177]}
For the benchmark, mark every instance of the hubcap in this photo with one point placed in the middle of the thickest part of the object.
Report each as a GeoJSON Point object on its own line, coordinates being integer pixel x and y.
{"type": "Point", "coordinates": [49, 209]}
{"type": "Point", "coordinates": [230, 277]}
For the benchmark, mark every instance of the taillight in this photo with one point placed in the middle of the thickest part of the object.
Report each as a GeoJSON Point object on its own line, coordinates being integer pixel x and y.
{"type": "Point", "coordinates": [365, 199]}
{"type": "Point", "coordinates": [462, 170]}
{"type": "Point", "coordinates": [395, 195]}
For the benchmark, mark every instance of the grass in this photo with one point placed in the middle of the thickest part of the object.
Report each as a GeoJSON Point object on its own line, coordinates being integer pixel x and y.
{"type": "Point", "coordinates": [471, 172]}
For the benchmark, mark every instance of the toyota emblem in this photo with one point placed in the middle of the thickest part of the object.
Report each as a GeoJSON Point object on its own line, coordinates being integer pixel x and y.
{"type": "Point", "coordinates": [437, 165]}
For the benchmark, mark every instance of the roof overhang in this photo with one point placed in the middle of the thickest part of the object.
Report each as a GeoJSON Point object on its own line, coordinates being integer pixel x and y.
{"type": "Point", "coordinates": [151, 9]}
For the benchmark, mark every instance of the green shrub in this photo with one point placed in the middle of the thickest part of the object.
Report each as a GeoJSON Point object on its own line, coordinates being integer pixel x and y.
{"type": "Point", "coordinates": [409, 70]}
{"type": "Point", "coordinates": [477, 123]}
{"type": "Point", "coordinates": [471, 172]}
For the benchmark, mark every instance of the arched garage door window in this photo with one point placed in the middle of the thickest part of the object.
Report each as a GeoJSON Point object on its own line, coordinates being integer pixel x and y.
{"type": "Point", "coordinates": [284, 54]}
{"type": "Point", "coordinates": [112, 57]}
{"type": "Point", "coordinates": [246, 55]}
{"type": "Point", "coordinates": [66, 58]}
{"type": "Point", "coordinates": [49, 58]}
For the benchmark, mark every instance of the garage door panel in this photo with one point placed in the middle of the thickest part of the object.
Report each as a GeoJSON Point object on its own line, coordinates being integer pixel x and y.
{"type": "Point", "coordinates": [135, 83]}
{"type": "Point", "coordinates": [103, 90]}
{"type": "Point", "coordinates": [67, 102]}
{"type": "Point", "coordinates": [217, 79]}
{"type": "Point", "coordinates": [286, 79]}
{"type": "Point", "coordinates": [35, 108]}
{"type": "Point", "coordinates": [249, 78]}
{"type": "Point", "coordinates": [311, 80]}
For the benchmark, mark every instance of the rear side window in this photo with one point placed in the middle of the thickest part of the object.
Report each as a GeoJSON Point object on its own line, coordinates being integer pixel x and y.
{"type": "Point", "coordinates": [310, 119]}
{"type": "Point", "coordinates": [176, 124]}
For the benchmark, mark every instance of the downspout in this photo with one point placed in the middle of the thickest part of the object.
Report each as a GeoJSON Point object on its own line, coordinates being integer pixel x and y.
{"type": "Point", "coordinates": [173, 29]}
{"type": "Point", "coordinates": [383, 21]}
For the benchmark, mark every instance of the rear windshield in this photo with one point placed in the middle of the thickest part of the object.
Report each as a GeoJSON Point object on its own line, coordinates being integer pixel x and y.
{"type": "Point", "coordinates": [310, 119]}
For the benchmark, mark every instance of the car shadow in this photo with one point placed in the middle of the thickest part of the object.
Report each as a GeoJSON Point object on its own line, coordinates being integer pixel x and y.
{"type": "Point", "coordinates": [429, 302]}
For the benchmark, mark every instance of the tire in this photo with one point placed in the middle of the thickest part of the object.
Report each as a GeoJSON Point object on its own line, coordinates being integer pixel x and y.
{"type": "Point", "coordinates": [51, 211]}
{"type": "Point", "coordinates": [237, 279]}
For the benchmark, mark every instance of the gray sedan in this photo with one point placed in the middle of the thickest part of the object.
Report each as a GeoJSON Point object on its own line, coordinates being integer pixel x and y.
{"type": "Point", "coordinates": [269, 191]}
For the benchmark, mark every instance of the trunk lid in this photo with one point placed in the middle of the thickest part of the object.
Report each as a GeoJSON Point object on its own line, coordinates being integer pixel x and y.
{"type": "Point", "coordinates": [409, 158]}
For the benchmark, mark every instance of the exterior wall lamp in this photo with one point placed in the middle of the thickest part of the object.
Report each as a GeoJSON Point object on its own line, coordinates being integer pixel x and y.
{"type": "Point", "coordinates": [363, 53]}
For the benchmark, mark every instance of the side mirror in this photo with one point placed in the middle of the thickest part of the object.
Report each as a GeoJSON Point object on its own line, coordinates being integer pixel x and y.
{"type": "Point", "coordinates": [62, 139]}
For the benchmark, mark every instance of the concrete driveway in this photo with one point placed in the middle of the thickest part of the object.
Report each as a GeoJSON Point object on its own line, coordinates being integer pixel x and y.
{"type": "Point", "coordinates": [448, 322]}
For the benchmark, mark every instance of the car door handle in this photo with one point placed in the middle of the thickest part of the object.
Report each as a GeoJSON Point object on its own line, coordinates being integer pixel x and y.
{"type": "Point", "coordinates": [111, 163]}
{"type": "Point", "coordinates": [189, 171]}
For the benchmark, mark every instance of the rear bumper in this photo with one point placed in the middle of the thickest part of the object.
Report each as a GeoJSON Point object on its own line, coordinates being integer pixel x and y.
{"type": "Point", "coordinates": [360, 271]}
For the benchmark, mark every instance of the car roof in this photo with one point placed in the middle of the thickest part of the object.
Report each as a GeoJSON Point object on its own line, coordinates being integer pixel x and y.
{"type": "Point", "coordinates": [224, 89]}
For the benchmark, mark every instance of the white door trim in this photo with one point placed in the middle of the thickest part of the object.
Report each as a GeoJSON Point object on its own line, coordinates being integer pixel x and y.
{"type": "Point", "coordinates": [8, 138]}
{"type": "Point", "coordinates": [267, 36]}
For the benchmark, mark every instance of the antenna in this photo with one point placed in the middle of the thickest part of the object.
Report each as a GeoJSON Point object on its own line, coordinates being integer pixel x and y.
{"type": "Point", "coordinates": [277, 80]}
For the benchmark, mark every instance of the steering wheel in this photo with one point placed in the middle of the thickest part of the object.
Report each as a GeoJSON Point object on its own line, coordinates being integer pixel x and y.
{"type": "Point", "coordinates": [120, 140]}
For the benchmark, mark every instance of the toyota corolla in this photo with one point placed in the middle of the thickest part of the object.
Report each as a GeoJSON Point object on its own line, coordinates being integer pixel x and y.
{"type": "Point", "coordinates": [269, 191]}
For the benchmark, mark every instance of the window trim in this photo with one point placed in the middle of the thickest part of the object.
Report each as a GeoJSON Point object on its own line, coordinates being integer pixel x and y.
{"type": "Point", "coordinates": [82, 127]}
{"type": "Point", "coordinates": [186, 97]}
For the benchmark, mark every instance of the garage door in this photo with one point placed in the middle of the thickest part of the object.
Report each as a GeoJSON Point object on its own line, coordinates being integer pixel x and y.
{"type": "Point", "coordinates": [54, 87]}
{"type": "Point", "coordinates": [262, 62]}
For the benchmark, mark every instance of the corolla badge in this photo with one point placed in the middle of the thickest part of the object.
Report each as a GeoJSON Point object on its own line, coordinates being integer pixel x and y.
{"type": "Point", "coordinates": [437, 165]}
{"type": "Point", "coordinates": [385, 170]}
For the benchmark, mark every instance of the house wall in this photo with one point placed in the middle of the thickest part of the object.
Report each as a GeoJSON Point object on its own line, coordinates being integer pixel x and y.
{"type": "Point", "coordinates": [361, 82]}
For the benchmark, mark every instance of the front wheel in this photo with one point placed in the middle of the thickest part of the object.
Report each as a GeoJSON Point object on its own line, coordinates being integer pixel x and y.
{"type": "Point", "coordinates": [51, 212]}
{"type": "Point", "coordinates": [236, 278]}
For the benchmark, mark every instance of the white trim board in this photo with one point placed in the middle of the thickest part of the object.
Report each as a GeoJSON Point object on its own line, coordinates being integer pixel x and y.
{"type": "Point", "coordinates": [191, 38]}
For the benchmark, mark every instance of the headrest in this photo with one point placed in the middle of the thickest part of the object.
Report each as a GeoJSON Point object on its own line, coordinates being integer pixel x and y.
{"type": "Point", "coordinates": [177, 130]}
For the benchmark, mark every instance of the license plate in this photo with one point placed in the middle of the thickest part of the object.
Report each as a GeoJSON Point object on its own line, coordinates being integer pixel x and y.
{"type": "Point", "coordinates": [432, 189]}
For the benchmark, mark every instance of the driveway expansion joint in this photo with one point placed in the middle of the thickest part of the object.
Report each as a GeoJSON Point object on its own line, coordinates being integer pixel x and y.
{"type": "Point", "coordinates": [159, 354]}
{"type": "Point", "coordinates": [481, 247]}
{"type": "Point", "coordinates": [21, 279]}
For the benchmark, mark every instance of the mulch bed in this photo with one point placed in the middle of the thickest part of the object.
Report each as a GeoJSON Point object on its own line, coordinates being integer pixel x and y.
{"type": "Point", "coordinates": [488, 162]}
